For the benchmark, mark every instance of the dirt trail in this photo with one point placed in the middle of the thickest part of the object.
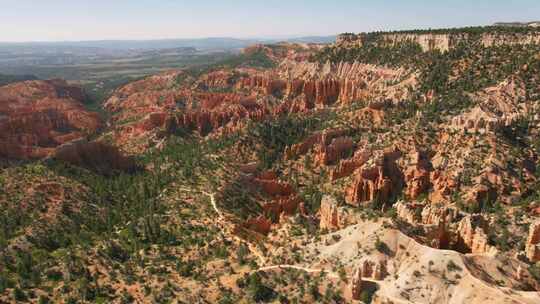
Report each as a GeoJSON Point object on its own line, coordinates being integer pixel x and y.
{"type": "Point", "coordinates": [222, 220]}
{"type": "Point", "coordinates": [331, 275]}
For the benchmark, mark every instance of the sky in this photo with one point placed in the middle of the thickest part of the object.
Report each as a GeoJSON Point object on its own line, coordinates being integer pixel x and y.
{"type": "Point", "coordinates": [75, 20]}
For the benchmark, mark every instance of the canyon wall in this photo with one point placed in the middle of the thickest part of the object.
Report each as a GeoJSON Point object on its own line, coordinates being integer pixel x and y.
{"type": "Point", "coordinates": [38, 116]}
{"type": "Point", "coordinates": [440, 42]}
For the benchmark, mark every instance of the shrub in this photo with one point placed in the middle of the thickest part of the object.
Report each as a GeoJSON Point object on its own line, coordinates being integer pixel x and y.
{"type": "Point", "coordinates": [451, 266]}
{"type": "Point", "coordinates": [382, 247]}
{"type": "Point", "coordinates": [43, 300]}
{"type": "Point", "coordinates": [258, 291]}
{"type": "Point", "coordinates": [19, 294]}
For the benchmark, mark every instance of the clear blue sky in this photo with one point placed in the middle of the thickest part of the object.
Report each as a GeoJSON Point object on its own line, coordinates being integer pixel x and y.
{"type": "Point", "coordinates": [46, 20]}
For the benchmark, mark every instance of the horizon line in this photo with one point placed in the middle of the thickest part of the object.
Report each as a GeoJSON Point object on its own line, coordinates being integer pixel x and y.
{"type": "Point", "coordinates": [255, 37]}
{"type": "Point", "coordinates": [243, 38]}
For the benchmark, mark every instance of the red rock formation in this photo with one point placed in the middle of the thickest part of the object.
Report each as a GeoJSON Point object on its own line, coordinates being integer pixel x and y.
{"type": "Point", "coordinates": [218, 110]}
{"type": "Point", "coordinates": [480, 194]}
{"type": "Point", "coordinates": [268, 85]}
{"type": "Point", "coordinates": [344, 82]}
{"type": "Point", "coordinates": [348, 166]}
{"type": "Point", "coordinates": [443, 186]}
{"type": "Point", "coordinates": [274, 187]}
{"type": "Point", "coordinates": [283, 200]}
{"type": "Point", "coordinates": [301, 86]}
{"type": "Point", "coordinates": [338, 149]}
{"type": "Point", "coordinates": [532, 246]}
{"type": "Point", "coordinates": [216, 80]}
{"type": "Point", "coordinates": [378, 183]}
{"type": "Point", "coordinates": [285, 206]}
{"type": "Point", "coordinates": [417, 176]}
{"type": "Point", "coordinates": [37, 116]}
{"type": "Point", "coordinates": [357, 284]}
{"type": "Point", "coordinates": [259, 224]}
{"type": "Point", "coordinates": [370, 185]}
{"type": "Point", "coordinates": [320, 139]}
{"type": "Point", "coordinates": [471, 235]}
{"type": "Point", "coordinates": [367, 270]}
{"type": "Point", "coordinates": [436, 222]}
{"type": "Point", "coordinates": [329, 211]}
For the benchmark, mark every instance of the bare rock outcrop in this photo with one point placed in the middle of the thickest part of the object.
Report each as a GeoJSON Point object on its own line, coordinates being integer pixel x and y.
{"type": "Point", "coordinates": [471, 235]}
{"type": "Point", "coordinates": [347, 167]}
{"type": "Point", "coordinates": [497, 106]}
{"type": "Point", "coordinates": [335, 151]}
{"type": "Point", "coordinates": [428, 42]}
{"type": "Point", "coordinates": [325, 84]}
{"type": "Point", "coordinates": [444, 229]}
{"type": "Point", "coordinates": [417, 175]}
{"type": "Point", "coordinates": [259, 224]}
{"type": "Point", "coordinates": [319, 140]}
{"type": "Point", "coordinates": [38, 116]}
{"type": "Point", "coordinates": [532, 246]}
{"type": "Point", "coordinates": [350, 39]}
{"type": "Point", "coordinates": [367, 270]}
{"type": "Point", "coordinates": [370, 185]}
{"type": "Point", "coordinates": [442, 42]}
{"type": "Point", "coordinates": [329, 213]}
{"type": "Point", "coordinates": [377, 183]}
{"type": "Point", "coordinates": [333, 217]}
{"type": "Point", "coordinates": [282, 198]}
{"type": "Point", "coordinates": [357, 284]}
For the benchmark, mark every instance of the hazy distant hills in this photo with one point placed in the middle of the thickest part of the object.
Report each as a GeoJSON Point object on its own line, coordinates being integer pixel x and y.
{"type": "Point", "coordinates": [202, 44]}
{"type": "Point", "coordinates": [7, 79]}
{"type": "Point", "coordinates": [91, 61]}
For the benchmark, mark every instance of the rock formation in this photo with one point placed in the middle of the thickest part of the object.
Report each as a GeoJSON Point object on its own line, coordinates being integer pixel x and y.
{"type": "Point", "coordinates": [417, 175]}
{"type": "Point", "coordinates": [410, 213]}
{"type": "Point", "coordinates": [498, 106]}
{"type": "Point", "coordinates": [367, 270]}
{"type": "Point", "coordinates": [350, 39]}
{"type": "Point", "coordinates": [379, 182]}
{"type": "Point", "coordinates": [441, 42]}
{"type": "Point", "coordinates": [325, 84]}
{"type": "Point", "coordinates": [338, 149]}
{"type": "Point", "coordinates": [347, 167]}
{"type": "Point", "coordinates": [259, 224]}
{"type": "Point", "coordinates": [319, 141]}
{"type": "Point", "coordinates": [163, 102]}
{"type": "Point", "coordinates": [329, 213]}
{"type": "Point", "coordinates": [37, 116]}
{"type": "Point", "coordinates": [370, 185]}
{"type": "Point", "coordinates": [279, 198]}
{"type": "Point", "coordinates": [333, 217]}
{"type": "Point", "coordinates": [532, 246]}
{"type": "Point", "coordinates": [471, 235]}
{"type": "Point", "coordinates": [357, 284]}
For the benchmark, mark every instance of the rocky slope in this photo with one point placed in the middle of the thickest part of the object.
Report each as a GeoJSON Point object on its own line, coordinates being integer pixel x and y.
{"type": "Point", "coordinates": [444, 41]}
{"type": "Point", "coordinates": [37, 116]}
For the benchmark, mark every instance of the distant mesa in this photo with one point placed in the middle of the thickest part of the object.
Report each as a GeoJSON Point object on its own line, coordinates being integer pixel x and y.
{"type": "Point", "coordinates": [518, 24]}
